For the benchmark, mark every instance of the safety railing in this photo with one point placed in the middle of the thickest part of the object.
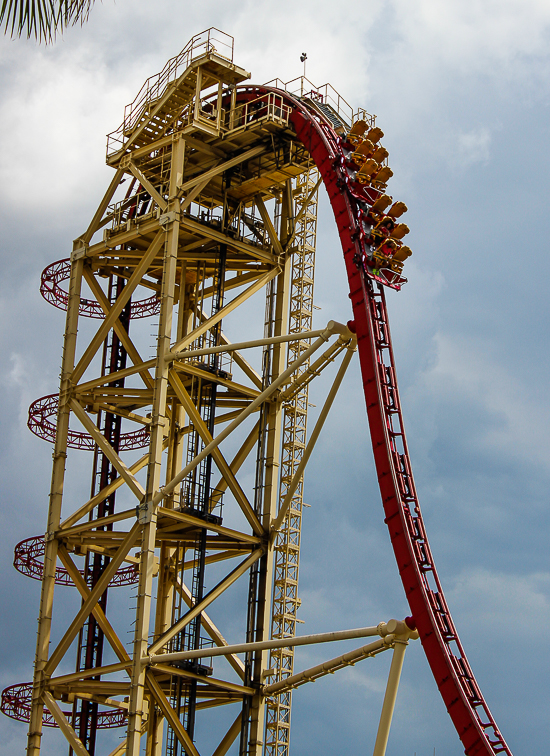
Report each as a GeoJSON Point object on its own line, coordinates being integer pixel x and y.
{"type": "Point", "coordinates": [209, 41]}
{"type": "Point", "coordinates": [136, 207]}
{"type": "Point", "coordinates": [267, 107]}
{"type": "Point", "coordinates": [301, 86]}
{"type": "Point", "coordinates": [362, 115]}
{"type": "Point", "coordinates": [327, 95]}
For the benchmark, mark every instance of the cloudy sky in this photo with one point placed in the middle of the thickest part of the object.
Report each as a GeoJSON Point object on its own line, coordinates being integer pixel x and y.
{"type": "Point", "coordinates": [461, 89]}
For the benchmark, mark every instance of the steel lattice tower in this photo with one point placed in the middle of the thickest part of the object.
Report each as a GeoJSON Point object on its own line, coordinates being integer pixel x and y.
{"type": "Point", "coordinates": [213, 205]}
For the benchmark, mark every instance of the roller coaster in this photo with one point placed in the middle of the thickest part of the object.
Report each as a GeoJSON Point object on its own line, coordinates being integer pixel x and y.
{"type": "Point", "coordinates": [213, 202]}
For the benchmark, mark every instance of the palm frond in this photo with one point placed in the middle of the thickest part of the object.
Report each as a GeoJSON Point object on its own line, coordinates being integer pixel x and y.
{"type": "Point", "coordinates": [42, 19]}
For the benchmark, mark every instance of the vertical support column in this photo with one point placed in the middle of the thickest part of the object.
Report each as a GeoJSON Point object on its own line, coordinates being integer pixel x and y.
{"type": "Point", "coordinates": [198, 90]}
{"type": "Point", "coordinates": [54, 513]}
{"type": "Point", "coordinates": [147, 513]}
{"type": "Point", "coordinates": [390, 697]}
{"type": "Point", "coordinates": [165, 585]}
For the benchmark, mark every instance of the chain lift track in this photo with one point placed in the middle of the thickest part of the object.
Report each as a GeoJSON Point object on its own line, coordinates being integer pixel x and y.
{"type": "Point", "coordinates": [223, 181]}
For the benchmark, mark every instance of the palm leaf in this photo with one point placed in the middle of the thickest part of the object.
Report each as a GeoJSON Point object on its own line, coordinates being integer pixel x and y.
{"type": "Point", "coordinates": [42, 19]}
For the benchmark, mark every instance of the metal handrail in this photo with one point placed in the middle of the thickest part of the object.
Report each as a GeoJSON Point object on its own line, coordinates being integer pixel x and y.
{"type": "Point", "coordinates": [211, 40]}
{"type": "Point", "coordinates": [199, 45]}
{"type": "Point", "coordinates": [301, 86]}
{"type": "Point", "coordinates": [270, 106]}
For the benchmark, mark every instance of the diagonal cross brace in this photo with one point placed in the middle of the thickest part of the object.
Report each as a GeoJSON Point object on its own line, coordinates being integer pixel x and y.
{"type": "Point", "coordinates": [218, 457]}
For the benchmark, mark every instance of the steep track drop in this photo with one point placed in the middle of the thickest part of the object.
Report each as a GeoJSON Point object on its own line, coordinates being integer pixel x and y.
{"type": "Point", "coordinates": [467, 708]}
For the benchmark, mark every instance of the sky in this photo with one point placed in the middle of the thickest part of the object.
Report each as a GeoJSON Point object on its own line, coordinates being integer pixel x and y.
{"type": "Point", "coordinates": [461, 89]}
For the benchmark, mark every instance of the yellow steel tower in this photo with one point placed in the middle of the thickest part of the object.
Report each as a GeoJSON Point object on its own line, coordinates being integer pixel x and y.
{"type": "Point", "coordinates": [212, 205]}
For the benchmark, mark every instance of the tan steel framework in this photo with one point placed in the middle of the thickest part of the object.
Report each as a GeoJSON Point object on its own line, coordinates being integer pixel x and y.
{"type": "Point", "coordinates": [222, 206]}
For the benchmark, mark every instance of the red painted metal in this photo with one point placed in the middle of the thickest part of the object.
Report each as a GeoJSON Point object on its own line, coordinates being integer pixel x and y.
{"type": "Point", "coordinates": [467, 708]}
{"type": "Point", "coordinates": [29, 561]}
{"type": "Point", "coordinates": [42, 422]}
{"type": "Point", "coordinates": [60, 271]}
{"type": "Point", "coordinates": [16, 704]}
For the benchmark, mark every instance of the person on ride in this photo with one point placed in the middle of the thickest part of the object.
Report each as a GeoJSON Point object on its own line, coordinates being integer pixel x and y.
{"type": "Point", "coordinates": [386, 226]}
{"type": "Point", "coordinates": [387, 249]}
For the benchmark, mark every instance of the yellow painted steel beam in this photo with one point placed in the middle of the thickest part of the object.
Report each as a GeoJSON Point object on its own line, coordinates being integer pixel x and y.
{"type": "Point", "coordinates": [203, 230]}
{"type": "Point", "coordinates": [113, 409]}
{"type": "Point", "coordinates": [285, 505]}
{"type": "Point", "coordinates": [192, 194]}
{"type": "Point", "coordinates": [232, 283]}
{"type": "Point", "coordinates": [171, 716]}
{"type": "Point", "coordinates": [212, 630]}
{"type": "Point", "coordinates": [89, 604]}
{"type": "Point", "coordinates": [197, 522]}
{"type": "Point", "coordinates": [54, 511]}
{"type": "Point", "coordinates": [277, 246]}
{"type": "Point", "coordinates": [300, 640]}
{"type": "Point", "coordinates": [218, 316]}
{"type": "Point", "coordinates": [115, 376]}
{"type": "Point", "coordinates": [229, 737]}
{"type": "Point", "coordinates": [121, 748]}
{"type": "Point", "coordinates": [146, 184]}
{"type": "Point", "coordinates": [303, 211]}
{"type": "Point", "coordinates": [120, 331]}
{"type": "Point", "coordinates": [222, 586]}
{"type": "Point", "coordinates": [244, 690]}
{"type": "Point", "coordinates": [390, 697]}
{"type": "Point", "coordinates": [218, 457]}
{"type": "Point", "coordinates": [64, 726]}
{"type": "Point", "coordinates": [103, 205]}
{"type": "Point", "coordinates": [221, 168]}
{"type": "Point", "coordinates": [97, 611]}
{"type": "Point", "coordinates": [332, 327]}
{"type": "Point", "coordinates": [97, 523]}
{"type": "Point", "coordinates": [329, 667]}
{"type": "Point", "coordinates": [193, 370]}
{"type": "Point", "coordinates": [133, 484]}
{"type": "Point", "coordinates": [240, 457]}
{"type": "Point", "coordinates": [304, 336]}
{"type": "Point", "coordinates": [86, 673]}
{"type": "Point", "coordinates": [116, 310]}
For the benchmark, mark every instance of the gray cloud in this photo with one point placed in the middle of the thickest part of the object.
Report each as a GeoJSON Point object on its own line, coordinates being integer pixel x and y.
{"type": "Point", "coordinates": [461, 90]}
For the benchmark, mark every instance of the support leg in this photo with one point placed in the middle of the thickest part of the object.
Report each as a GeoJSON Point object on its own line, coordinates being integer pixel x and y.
{"type": "Point", "coordinates": [390, 697]}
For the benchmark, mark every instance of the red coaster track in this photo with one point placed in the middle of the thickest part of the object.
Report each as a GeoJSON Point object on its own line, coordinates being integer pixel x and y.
{"type": "Point", "coordinates": [16, 704]}
{"type": "Point", "coordinates": [467, 708]}
{"type": "Point", "coordinates": [43, 423]}
{"type": "Point", "coordinates": [59, 271]}
{"type": "Point", "coordinates": [29, 560]}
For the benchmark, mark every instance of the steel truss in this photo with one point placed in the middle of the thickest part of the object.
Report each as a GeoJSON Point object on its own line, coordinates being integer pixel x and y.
{"type": "Point", "coordinates": [221, 207]}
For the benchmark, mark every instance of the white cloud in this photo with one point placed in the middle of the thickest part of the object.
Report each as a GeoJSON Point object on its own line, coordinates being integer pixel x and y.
{"type": "Point", "coordinates": [473, 147]}
{"type": "Point", "coordinates": [488, 597]}
{"type": "Point", "coordinates": [469, 34]}
{"type": "Point", "coordinates": [52, 107]}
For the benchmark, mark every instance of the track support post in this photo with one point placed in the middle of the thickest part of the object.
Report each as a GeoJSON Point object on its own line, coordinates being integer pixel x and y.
{"type": "Point", "coordinates": [400, 642]}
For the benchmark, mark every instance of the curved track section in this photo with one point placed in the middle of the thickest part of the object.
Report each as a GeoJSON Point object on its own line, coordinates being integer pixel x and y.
{"type": "Point", "coordinates": [29, 560]}
{"type": "Point", "coordinates": [467, 708]}
{"type": "Point", "coordinates": [51, 290]}
{"type": "Point", "coordinates": [43, 423]}
{"type": "Point", "coordinates": [16, 704]}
